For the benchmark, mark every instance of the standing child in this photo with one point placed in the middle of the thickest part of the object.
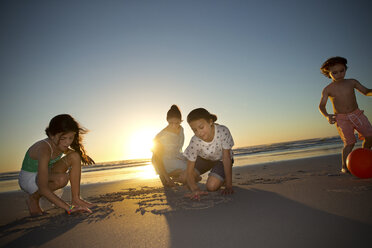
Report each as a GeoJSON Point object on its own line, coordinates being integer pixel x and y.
{"type": "Point", "coordinates": [347, 114]}
{"type": "Point", "coordinates": [44, 166]}
{"type": "Point", "coordinates": [209, 150]}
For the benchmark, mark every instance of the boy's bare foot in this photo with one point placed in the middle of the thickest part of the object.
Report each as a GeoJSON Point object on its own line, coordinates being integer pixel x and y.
{"type": "Point", "coordinates": [33, 206]}
{"type": "Point", "coordinates": [82, 203]}
{"type": "Point", "coordinates": [343, 172]}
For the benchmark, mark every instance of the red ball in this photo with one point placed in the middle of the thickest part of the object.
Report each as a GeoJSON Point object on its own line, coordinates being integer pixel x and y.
{"type": "Point", "coordinates": [359, 163]}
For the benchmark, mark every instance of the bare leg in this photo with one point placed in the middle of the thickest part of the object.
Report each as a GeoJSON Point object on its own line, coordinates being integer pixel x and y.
{"type": "Point", "coordinates": [72, 161]}
{"type": "Point", "coordinates": [182, 177]}
{"type": "Point", "coordinates": [213, 183]}
{"type": "Point", "coordinates": [157, 162]}
{"type": "Point", "coordinates": [33, 204]}
{"type": "Point", "coordinates": [56, 181]}
{"type": "Point", "coordinates": [177, 176]}
{"type": "Point", "coordinates": [345, 152]}
{"type": "Point", "coordinates": [75, 176]}
{"type": "Point", "coordinates": [163, 181]}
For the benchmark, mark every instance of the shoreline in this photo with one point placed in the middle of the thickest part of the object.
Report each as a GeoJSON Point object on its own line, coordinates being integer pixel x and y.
{"type": "Point", "coordinates": [258, 154]}
{"type": "Point", "coordinates": [279, 204]}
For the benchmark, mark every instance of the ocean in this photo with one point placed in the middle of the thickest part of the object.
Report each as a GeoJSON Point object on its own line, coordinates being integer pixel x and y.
{"type": "Point", "coordinates": [243, 156]}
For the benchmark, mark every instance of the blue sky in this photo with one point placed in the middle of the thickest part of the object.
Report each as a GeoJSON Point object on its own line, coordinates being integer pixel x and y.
{"type": "Point", "coordinates": [117, 67]}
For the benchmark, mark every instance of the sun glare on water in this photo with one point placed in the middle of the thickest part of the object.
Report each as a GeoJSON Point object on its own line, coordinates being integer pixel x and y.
{"type": "Point", "coordinates": [147, 172]}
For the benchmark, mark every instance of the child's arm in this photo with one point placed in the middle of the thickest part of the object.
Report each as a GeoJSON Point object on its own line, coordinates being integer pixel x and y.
{"type": "Point", "coordinates": [190, 176]}
{"type": "Point", "coordinates": [190, 179]}
{"type": "Point", "coordinates": [359, 87]}
{"type": "Point", "coordinates": [158, 152]}
{"type": "Point", "coordinates": [161, 170]}
{"type": "Point", "coordinates": [322, 107]}
{"type": "Point", "coordinates": [226, 160]}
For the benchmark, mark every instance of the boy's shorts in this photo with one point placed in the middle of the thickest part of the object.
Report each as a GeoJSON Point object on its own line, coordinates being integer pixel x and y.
{"type": "Point", "coordinates": [346, 123]}
{"type": "Point", "coordinates": [216, 167]}
{"type": "Point", "coordinates": [27, 181]}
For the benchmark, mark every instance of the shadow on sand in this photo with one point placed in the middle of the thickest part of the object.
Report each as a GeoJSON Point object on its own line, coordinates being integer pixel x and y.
{"type": "Point", "coordinates": [249, 218]}
{"type": "Point", "coordinates": [257, 218]}
{"type": "Point", "coordinates": [38, 230]}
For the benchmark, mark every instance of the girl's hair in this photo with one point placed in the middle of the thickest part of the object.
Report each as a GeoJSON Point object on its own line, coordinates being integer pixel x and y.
{"type": "Point", "coordinates": [201, 113]}
{"type": "Point", "coordinates": [331, 62]}
{"type": "Point", "coordinates": [174, 112]}
{"type": "Point", "coordinates": [65, 123]}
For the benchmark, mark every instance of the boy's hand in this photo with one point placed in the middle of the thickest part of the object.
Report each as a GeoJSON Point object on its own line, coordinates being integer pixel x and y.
{"type": "Point", "coordinates": [331, 119]}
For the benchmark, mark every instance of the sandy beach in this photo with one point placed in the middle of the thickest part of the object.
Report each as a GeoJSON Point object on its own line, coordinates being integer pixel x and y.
{"type": "Point", "coordinates": [282, 204]}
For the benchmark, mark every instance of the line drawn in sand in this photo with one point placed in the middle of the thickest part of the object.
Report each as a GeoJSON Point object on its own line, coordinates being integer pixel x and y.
{"type": "Point", "coordinates": [159, 200]}
{"type": "Point", "coordinates": [173, 200]}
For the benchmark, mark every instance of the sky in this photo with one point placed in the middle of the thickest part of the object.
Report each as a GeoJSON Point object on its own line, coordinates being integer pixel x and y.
{"type": "Point", "coordinates": [118, 66]}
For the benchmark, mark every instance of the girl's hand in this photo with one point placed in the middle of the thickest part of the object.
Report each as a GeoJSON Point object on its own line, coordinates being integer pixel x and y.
{"type": "Point", "coordinates": [227, 191]}
{"type": "Point", "coordinates": [167, 181]}
{"type": "Point", "coordinates": [195, 195]}
{"type": "Point", "coordinates": [170, 182]}
{"type": "Point", "coordinates": [75, 209]}
{"type": "Point", "coordinates": [182, 178]}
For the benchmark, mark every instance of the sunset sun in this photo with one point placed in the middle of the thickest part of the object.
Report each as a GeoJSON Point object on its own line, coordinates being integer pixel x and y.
{"type": "Point", "coordinates": [141, 143]}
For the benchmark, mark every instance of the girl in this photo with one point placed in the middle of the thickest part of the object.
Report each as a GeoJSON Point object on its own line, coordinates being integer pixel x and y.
{"type": "Point", "coordinates": [209, 149]}
{"type": "Point", "coordinates": [167, 153]}
{"type": "Point", "coordinates": [44, 166]}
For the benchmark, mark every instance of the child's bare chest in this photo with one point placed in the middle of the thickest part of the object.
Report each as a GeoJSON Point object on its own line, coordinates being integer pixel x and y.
{"type": "Point", "coordinates": [341, 91]}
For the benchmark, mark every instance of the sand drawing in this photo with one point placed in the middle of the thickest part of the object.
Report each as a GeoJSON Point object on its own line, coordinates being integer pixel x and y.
{"type": "Point", "coordinates": [155, 200]}
{"type": "Point", "coordinates": [158, 200]}
{"type": "Point", "coordinates": [174, 199]}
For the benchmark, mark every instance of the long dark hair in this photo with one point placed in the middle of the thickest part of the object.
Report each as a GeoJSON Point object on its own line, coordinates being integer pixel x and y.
{"type": "Point", "coordinates": [65, 123]}
{"type": "Point", "coordinates": [201, 113]}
